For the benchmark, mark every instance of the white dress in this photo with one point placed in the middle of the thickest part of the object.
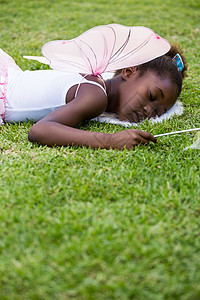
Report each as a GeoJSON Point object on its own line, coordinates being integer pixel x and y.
{"type": "Point", "coordinates": [33, 94]}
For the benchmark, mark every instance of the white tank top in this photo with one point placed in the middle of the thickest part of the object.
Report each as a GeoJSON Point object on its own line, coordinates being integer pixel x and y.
{"type": "Point", "coordinates": [34, 94]}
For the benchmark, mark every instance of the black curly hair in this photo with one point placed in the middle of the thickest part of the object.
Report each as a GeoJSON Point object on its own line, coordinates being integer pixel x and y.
{"type": "Point", "coordinates": [164, 67]}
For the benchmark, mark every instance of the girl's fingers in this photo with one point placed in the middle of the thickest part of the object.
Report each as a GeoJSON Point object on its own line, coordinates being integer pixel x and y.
{"type": "Point", "coordinates": [147, 136]}
{"type": "Point", "coordinates": [142, 140]}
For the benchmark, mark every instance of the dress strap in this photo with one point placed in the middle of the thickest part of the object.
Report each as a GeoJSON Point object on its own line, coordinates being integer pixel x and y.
{"type": "Point", "coordinates": [84, 80]}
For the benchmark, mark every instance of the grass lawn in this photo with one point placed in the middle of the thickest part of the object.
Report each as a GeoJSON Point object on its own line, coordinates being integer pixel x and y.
{"type": "Point", "coordinates": [76, 223]}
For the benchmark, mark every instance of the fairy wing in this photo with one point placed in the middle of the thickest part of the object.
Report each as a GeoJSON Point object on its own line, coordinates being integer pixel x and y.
{"type": "Point", "coordinates": [41, 59]}
{"type": "Point", "coordinates": [104, 49]}
{"type": "Point", "coordinates": [134, 46]}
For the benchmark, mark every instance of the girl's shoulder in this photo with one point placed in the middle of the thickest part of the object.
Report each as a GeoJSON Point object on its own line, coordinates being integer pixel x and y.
{"type": "Point", "coordinates": [90, 87]}
{"type": "Point", "coordinates": [95, 79]}
{"type": "Point", "coordinates": [89, 101]}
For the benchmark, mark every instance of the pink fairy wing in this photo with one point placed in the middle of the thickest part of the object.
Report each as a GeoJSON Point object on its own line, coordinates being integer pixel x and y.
{"type": "Point", "coordinates": [41, 59]}
{"type": "Point", "coordinates": [104, 49]}
{"type": "Point", "coordinates": [89, 53]}
{"type": "Point", "coordinates": [134, 46]}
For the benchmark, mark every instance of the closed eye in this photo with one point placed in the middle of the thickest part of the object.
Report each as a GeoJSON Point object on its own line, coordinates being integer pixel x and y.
{"type": "Point", "coordinates": [151, 97]}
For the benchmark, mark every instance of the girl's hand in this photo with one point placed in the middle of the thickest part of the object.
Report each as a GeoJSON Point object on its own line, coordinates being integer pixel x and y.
{"type": "Point", "coordinates": [130, 138]}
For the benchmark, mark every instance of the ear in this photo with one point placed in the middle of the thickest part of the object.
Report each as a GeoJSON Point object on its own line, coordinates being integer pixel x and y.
{"type": "Point", "coordinates": [128, 72]}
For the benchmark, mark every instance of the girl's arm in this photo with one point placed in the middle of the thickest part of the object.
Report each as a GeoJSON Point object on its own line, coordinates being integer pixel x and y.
{"type": "Point", "coordinates": [58, 127]}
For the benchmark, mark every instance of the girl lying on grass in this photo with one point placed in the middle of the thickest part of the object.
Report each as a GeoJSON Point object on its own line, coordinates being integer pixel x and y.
{"type": "Point", "coordinates": [148, 84]}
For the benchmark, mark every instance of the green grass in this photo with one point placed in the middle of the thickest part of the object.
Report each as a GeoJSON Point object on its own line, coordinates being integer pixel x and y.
{"type": "Point", "coordinates": [76, 223]}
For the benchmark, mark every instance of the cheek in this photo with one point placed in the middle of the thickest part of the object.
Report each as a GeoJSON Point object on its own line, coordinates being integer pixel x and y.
{"type": "Point", "coordinates": [135, 97]}
{"type": "Point", "coordinates": [171, 101]}
{"type": "Point", "coordinates": [131, 103]}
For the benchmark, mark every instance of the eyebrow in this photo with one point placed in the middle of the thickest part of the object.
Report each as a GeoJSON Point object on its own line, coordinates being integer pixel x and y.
{"type": "Point", "coordinates": [162, 94]}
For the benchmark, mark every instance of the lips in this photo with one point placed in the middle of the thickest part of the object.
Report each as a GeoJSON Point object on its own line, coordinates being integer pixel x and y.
{"type": "Point", "coordinates": [133, 116]}
{"type": "Point", "coordinates": [138, 116]}
{"type": "Point", "coordinates": [153, 114]}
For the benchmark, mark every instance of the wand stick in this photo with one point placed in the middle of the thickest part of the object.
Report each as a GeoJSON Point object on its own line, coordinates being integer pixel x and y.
{"type": "Point", "coordinates": [176, 132]}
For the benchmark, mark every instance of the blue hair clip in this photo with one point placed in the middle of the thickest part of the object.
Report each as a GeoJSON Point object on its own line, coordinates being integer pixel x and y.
{"type": "Point", "coordinates": [177, 61]}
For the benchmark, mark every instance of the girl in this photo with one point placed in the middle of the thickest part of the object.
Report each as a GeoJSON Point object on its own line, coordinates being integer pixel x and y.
{"type": "Point", "coordinates": [59, 101]}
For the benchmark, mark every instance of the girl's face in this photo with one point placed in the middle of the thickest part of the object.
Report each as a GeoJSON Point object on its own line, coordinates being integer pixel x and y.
{"type": "Point", "coordinates": [145, 96]}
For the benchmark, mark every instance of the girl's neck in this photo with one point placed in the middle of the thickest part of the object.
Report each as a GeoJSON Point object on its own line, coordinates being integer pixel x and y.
{"type": "Point", "coordinates": [112, 88]}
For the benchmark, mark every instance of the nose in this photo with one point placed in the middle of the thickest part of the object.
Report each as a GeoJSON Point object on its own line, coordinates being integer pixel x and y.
{"type": "Point", "coordinates": [149, 111]}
